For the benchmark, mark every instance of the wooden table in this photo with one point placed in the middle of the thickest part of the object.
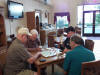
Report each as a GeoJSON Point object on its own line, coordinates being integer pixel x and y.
{"type": "Point", "coordinates": [49, 61]}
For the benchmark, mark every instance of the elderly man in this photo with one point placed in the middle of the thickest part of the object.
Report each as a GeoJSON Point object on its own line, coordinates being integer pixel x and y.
{"type": "Point", "coordinates": [33, 45]}
{"type": "Point", "coordinates": [33, 42]}
{"type": "Point", "coordinates": [75, 57]}
{"type": "Point", "coordinates": [18, 58]}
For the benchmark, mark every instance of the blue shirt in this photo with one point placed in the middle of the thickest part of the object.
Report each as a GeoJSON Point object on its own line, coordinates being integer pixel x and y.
{"type": "Point", "coordinates": [74, 59]}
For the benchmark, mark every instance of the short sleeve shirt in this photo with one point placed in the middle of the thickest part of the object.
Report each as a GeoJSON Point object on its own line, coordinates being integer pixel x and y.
{"type": "Point", "coordinates": [75, 58]}
{"type": "Point", "coordinates": [67, 43]}
{"type": "Point", "coordinates": [32, 44]}
{"type": "Point", "coordinates": [16, 58]}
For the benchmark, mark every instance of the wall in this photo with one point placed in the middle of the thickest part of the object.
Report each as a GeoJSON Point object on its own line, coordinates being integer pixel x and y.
{"type": "Point", "coordinates": [91, 1]}
{"type": "Point", "coordinates": [29, 5]}
{"type": "Point", "coordinates": [71, 7]}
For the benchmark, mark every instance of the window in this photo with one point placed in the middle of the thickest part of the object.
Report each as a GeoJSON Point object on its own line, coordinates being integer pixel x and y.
{"type": "Point", "coordinates": [82, 8]}
{"type": "Point", "coordinates": [62, 20]}
{"type": "Point", "coordinates": [89, 19]}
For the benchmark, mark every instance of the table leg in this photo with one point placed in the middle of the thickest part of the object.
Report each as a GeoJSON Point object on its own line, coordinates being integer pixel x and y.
{"type": "Point", "coordinates": [38, 70]}
{"type": "Point", "coordinates": [52, 68]}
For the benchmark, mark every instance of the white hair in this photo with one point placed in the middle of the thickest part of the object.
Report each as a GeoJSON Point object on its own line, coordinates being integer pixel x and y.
{"type": "Point", "coordinates": [34, 31]}
{"type": "Point", "coordinates": [23, 30]}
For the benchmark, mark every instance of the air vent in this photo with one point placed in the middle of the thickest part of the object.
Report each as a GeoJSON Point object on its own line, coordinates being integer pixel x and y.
{"type": "Point", "coordinates": [43, 1]}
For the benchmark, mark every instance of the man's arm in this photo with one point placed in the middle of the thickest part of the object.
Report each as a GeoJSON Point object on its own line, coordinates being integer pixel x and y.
{"type": "Point", "coordinates": [33, 58]}
{"type": "Point", "coordinates": [65, 73]}
{"type": "Point", "coordinates": [34, 49]}
{"type": "Point", "coordinates": [66, 50]}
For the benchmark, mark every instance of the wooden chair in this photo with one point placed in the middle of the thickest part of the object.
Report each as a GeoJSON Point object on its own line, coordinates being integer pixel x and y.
{"type": "Point", "coordinates": [51, 37]}
{"type": "Point", "coordinates": [78, 30]}
{"type": "Point", "coordinates": [0, 70]}
{"type": "Point", "coordinates": [91, 68]}
{"type": "Point", "coordinates": [60, 32]}
{"type": "Point", "coordinates": [12, 36]}
{"type": "Point", "coordinates": [3, 54]}
{"type": "Point", "coordinates": [52, 33]}
{"type": "Point", "coordinates": [50, 41]}
{"type": "Point", "coordinates": [65, 29]}
{"type": "Point", "coordinates": [89, 44]}
{"type": "Point", "coordinates": [43, 37]}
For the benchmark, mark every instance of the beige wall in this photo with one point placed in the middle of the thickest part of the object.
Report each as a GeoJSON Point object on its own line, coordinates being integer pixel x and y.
{"type": "Point", "coordinates": [71, 7]}
{"type": "Point", "coordinates": [67, 6]}
{"type": "Point", "coordinates": [91, 1]}
{"type": "Point", "coordinates": [29, 5]}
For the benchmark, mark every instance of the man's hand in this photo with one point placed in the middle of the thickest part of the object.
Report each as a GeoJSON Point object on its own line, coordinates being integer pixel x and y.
{"type": "Point", "coordinates": [65, 73]}
{"type": "Point", "coordinates": [65, 50]}
{"type": "Point", "coordinates": [38, 49]}
{"type": "Point", "coordinates": [39, 54]}
{"type": "Point", "coordinates": [34, 58]}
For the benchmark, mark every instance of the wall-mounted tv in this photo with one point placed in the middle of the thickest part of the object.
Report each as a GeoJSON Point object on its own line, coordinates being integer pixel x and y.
{"type": "Point", "coordinates": [15, 10]}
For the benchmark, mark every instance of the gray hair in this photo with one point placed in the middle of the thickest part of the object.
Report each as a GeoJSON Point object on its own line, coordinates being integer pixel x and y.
{"type": "Point", "coordinates": [34, 31]}
{"type": "Point", "coordinates": [23, 30]}
{"type": "Point", "coordinates": [77, 39]}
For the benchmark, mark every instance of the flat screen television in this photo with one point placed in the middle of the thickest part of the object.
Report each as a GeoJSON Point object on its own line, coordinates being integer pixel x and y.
{"type": "Point", "coordinates": [15, 10]}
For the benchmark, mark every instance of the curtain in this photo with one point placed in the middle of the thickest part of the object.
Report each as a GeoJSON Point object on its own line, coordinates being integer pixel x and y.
{"type": "Point", "coordinates": [62, 14]}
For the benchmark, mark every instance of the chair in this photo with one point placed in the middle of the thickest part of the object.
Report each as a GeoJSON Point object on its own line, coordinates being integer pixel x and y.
{"type": "Point", "coordinates": [12, 36]}
{"type": "Point", "coordinates": [65, 29]}
{"type": "Point", "coordinates": [51, 37]}
{"type": "Point", "coordinates": [52, 33]}
{"type": "Point", "coordinates": [0, 70]}
{"type": "Point", "coordinates": [78, 30]}
{"type": "Point", "coordinates": [89, 44]}
{"type": "Point", "coordinates": [60, 32]}
{"type": "Point", "coordinates": [3, 54]}
{"type": "Point", "coordinates": [51, 40]}
{"type": "Point", "coordinates": [91, 68]}
{"type": "Point", "coordinates": [43, 37]}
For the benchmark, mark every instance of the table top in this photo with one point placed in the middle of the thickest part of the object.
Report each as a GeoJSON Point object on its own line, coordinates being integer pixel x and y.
{"type": "Point", "coordinates": [49, 60]}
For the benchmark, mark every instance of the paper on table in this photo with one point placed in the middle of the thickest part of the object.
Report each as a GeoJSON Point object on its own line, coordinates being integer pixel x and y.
{"type": "Point", "coordinates": [50, 52]}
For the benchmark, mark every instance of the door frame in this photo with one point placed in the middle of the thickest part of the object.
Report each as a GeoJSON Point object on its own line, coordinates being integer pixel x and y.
{"type": "Point", "coordinates": [93, 28]}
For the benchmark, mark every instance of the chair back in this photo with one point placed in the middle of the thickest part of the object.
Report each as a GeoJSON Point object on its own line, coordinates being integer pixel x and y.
{"type": "Point", "coordinates": [91, 68]}
{"type": "Point", "coordinates": [89, 44]}
{"type": "Point", "coordinates": [0, 71]}
{"type": "Point", "coordinates": [43, 37]}
{"type": "Point", "coordinates": [51, 40]}
{"type": "Point", "coordinates": [78, 30]}
{"type": "Point", "coordinates": [3, 54]}
{"type": "Point", "coordinates": [51, 36]}
{"type": "Point", "coordinates": [60, 32]}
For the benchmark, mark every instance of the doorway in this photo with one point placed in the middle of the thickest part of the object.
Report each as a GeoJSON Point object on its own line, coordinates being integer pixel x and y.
{"type": "Point", "coordinates": [91, 23]}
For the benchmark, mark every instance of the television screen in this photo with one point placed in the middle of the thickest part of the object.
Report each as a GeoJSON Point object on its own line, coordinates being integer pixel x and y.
{"type": "Point", "coordinates": [15, 10]}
